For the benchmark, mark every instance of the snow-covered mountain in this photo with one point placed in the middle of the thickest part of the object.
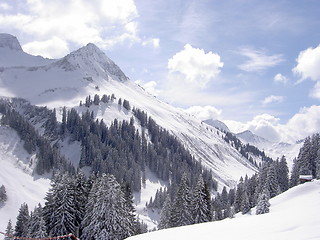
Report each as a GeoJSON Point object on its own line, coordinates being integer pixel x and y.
{"type": "Point", "coordinates": [272, 149]}
{"type": "Point", "coordinates": [217, 124]}
{"type": "Point", "coordinates": [248, 137]}
{"type": "Point", "coordinates": [66, 82]}
{"type": "Point", "coordinates": [293, 215]}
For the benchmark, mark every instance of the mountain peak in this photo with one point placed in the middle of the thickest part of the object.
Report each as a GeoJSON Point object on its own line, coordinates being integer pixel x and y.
{"type": "Point", "coordinates": [9, 41]}
{"type": "Point", "coordinates": [91, 60]}
{"type": "Point", "coordinates": [217, 124]}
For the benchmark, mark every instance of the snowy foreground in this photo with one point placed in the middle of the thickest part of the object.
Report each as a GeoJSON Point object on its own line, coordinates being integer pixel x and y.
{"type": "Point", "coordinates": [293, 215]}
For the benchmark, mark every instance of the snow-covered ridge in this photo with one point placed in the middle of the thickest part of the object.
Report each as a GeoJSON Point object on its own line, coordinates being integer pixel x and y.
{"type": "Point", "coordinates": [12, 55]}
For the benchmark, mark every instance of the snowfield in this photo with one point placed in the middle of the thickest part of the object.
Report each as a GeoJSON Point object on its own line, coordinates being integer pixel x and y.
{"type": "Point", "coordinates": [293, 215]}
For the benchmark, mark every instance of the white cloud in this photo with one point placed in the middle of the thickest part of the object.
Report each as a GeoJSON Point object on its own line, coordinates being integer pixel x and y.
{"type": "Point", "coordinates": [279, 78]}
{"type": "Point", "coordinates": [52, 48]}
{"type": "Point", "coordinates": [315, 92]}
{"type": "Point", "coordinates": [150, 87]}
{"type": "Point", "coordinates": [204, 112]}
{"type": "Point", "coordinates": [155, 42]}
{"type": "Point", "coordinates": [258, 60]}
{"type": "Point", "coordinates": [195, 66]}
{"type": "Point", "coordinates": [304, 123]}
{"type": "Point", "coordinates": [272, 99]}
{"type": "Point", "coordinates": [103, 22]}
{"type": "Point", "coordinates": [5, 6]}
{"type": "Point", "coordinates": [308, 63]}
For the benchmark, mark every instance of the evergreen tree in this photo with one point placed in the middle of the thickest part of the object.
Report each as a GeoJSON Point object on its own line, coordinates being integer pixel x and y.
{"type": "Point", "coordinates": [238, 196]}
{"type": "Point", "coordinates": [9, 231]}
{"type": "Point", "coordinates": [21, 228]}
{"type": "Point", "coordinates": [245, 204]}
{"type": "Point", "coordinates": [107, 213]}
{"type": "Point", "coordinates": [272, 181]}
{"type": "Point", "coordinates": [283, 177]}
{"type": "Point", "coordinates": [294, 178]}
{"type": "Point", "coordinates": [37, 227]}
{"type": "Point", "coordinates": [81, 193]}
{"type": "Point", "coordinates": [200, 204]}
{"type": "Point", "coordinates": [3, 194]}
{"type": "Point", "coordinates": [165, 214]}
{"type": "Point", "coordinates": [263, 203]}
{"type": "Point", "coordinates": [181, 213]}
{"type": "Point", "coordinates": [305, 158]}
{"type": "Point", "coordinates": [59, 210]}
{"type": "Point", "coordinates": [224, 197]}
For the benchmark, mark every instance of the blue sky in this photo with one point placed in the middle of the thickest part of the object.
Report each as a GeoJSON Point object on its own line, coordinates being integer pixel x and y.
{"type": "Point", "coordinates": [254, 64]}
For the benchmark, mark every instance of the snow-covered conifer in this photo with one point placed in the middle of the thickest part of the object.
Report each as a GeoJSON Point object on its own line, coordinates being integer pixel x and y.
{"type": "Point", "coordinates": [9, 231]}
{"type": "Point", "coordinates": [3, 194]}
{"type": "Point", "coordinates": [283, 177]}
{"type": "Point", "coordinates": [107, 213]}
{"type": "Point", "coordinates": [272, 181]}
{"type": "Point", "coordinates": [165, 214]}
{"type": "Point", "coordinates": [37, 227]}
{"type": "Point", "coordinates": [263, 203]}
{"type": "Point", "coordinates": [245, 204]}
{"type": "Point", "coordinates": [21, 228]}
{"type": "Point", "coordinates": [200, 204]}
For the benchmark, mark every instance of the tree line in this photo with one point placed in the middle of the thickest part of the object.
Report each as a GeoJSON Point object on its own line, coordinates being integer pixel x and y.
{"type": "Point", "coordinates": [191, 204]}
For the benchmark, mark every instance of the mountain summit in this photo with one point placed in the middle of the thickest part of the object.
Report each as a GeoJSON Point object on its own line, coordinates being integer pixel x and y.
{"type": "Point", "coordinates": [91, 59]}
{"type": "Point", "coordinates": [68, 79]}
{"type": "Point", "coordinates": [10, 42]}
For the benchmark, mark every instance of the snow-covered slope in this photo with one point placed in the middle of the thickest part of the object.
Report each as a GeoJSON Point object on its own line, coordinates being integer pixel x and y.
{"type": "Point", "coordinates": [293, 215]}
{"type": "Point", "coordinates": [15, 176]}
{"type": "Point", "coordinates": [66, 81]}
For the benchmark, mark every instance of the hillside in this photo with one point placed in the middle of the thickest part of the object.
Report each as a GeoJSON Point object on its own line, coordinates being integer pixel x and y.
{"type": "Point", "coordinates": [293, 215]}
{"type": "Point", "coordinates": [15, 176]}
{"type": "Point", "coordinates": [88, 71]}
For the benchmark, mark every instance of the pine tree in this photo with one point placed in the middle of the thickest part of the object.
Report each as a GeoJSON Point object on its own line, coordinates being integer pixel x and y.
{"type": "Point", "coordinates": [107, 213]}
{"type": "Point", "coordinates": [181, 212]}
{"type": "Point", "coordinates": [3, 194]}
{"type": "Point", "coordinates": [21, 228]}
{"type": "Point", "coordinates": [245, 204]}
{"type": "Point", "coordinates": [283, 177]}
{"type": "Point", "coordinates": [165, 214]}
{"type": "Point", "coordinates": [294, 178]}
{"type": "Point", "coordinates": [272, 181]}
{"type": "Point", "coordinates": [80, 199]}
{"type": "Point", "coordinates": [9, 231]}
{"type": "Point", "coordinates": [37, 227]}
{"type": "Point", "coordinates": [238, 197]}
{"type": "Point", "coordinates": [199, 204]}
{"type": "Point", "coordinates": [59, 210]}
{"type": "Point", "coordinates": [263, 203]}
